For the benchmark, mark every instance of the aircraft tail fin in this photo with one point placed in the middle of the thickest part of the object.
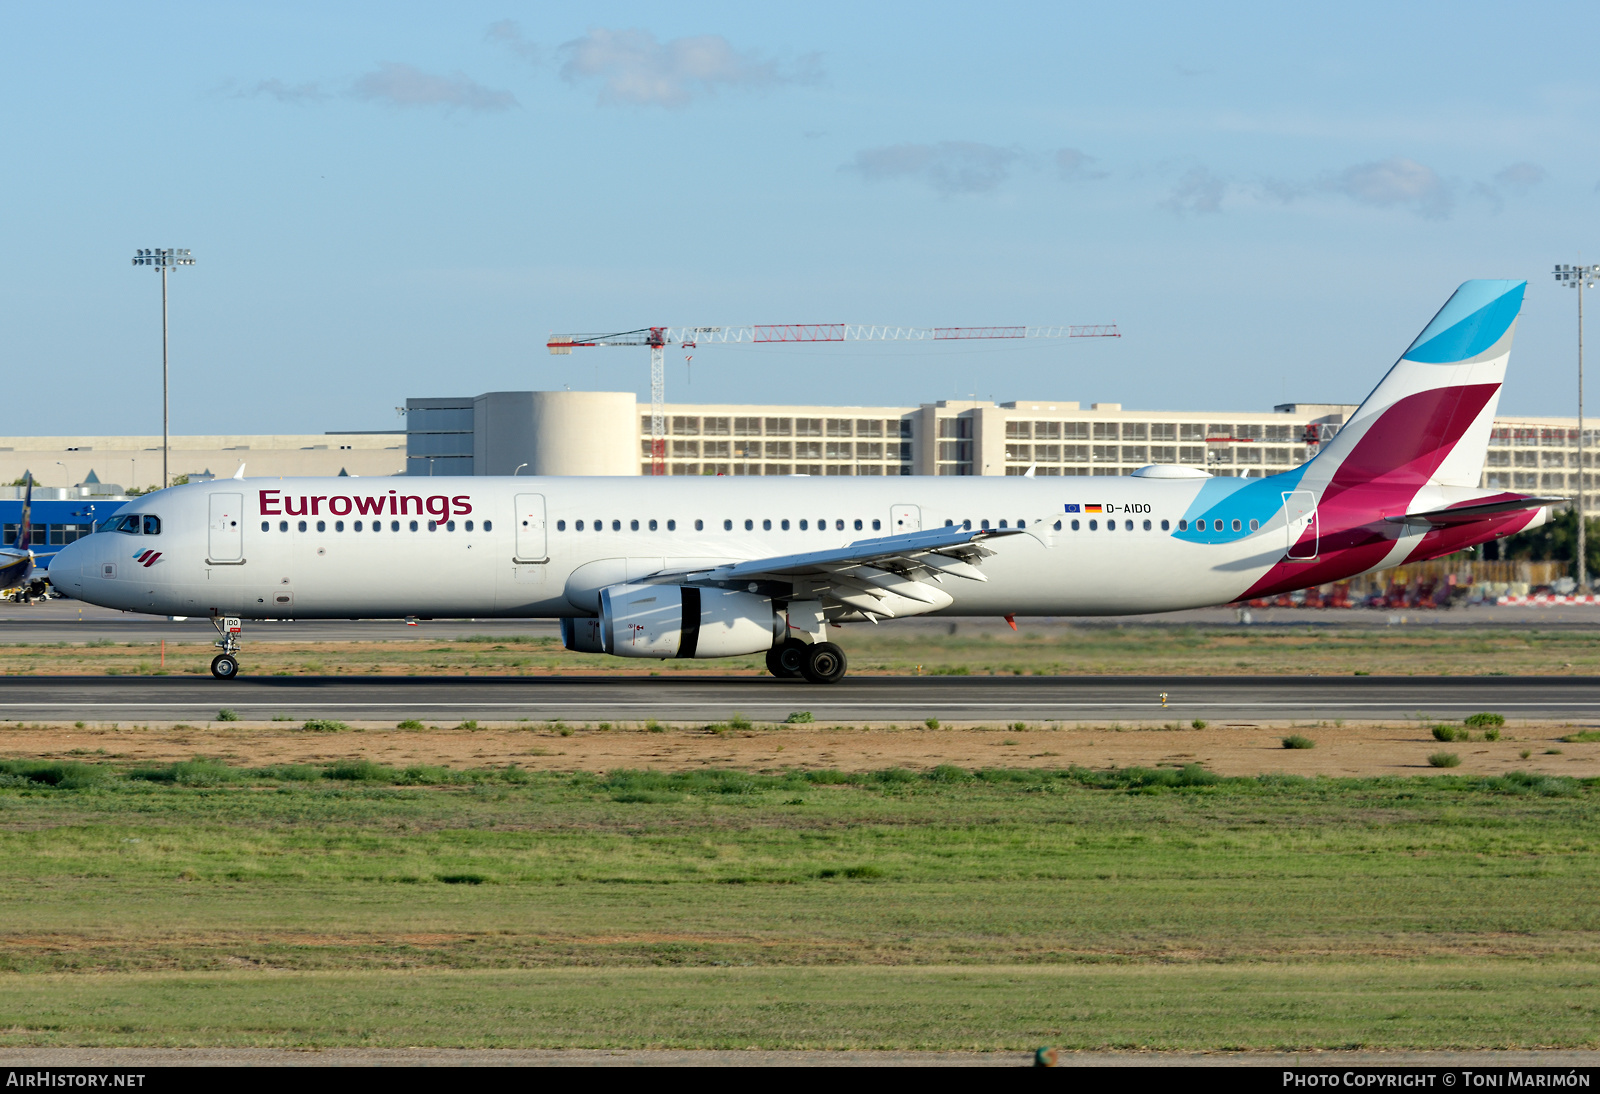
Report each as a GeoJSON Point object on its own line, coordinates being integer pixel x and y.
{"type": "Point", "coordinates": [25, 529]}
{"type": "Point", "coordinates": [1427, 422]}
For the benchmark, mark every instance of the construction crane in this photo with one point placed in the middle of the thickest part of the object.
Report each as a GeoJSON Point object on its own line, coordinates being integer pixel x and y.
{"type": "Point", "coordinates": [659, 338]}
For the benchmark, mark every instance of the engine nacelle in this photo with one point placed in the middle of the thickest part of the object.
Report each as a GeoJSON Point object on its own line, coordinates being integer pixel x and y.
{"type": "Point", "coordinates": [582, 635]}
{"type": "Point", "coordinates": [687, 621]}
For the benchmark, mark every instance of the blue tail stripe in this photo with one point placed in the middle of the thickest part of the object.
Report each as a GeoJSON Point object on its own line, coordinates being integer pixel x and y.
{"type": "Point", "coordinates": [1475, 318]}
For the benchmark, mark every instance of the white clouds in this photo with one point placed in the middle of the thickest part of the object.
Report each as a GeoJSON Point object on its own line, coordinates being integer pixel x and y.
{"type": "Point", "coordinates": [950, 167]}
{"type": "Point", "coordinates": [1198, 191]}
{"type": "Point", "coordinates": [402, 85]}
{"type": "Point", "coordinates": [285, 93]}
{"type": "Point", "coordinates": [507, 33]}
{"type": "Point", "coordinates": [1073, 165]}
{"type": "Point", "coordinates": [1519, 178]}
{"type": "Point", "coordinates": [1396, 181]}
{"type": "Point", "coordinates": [636, 69]}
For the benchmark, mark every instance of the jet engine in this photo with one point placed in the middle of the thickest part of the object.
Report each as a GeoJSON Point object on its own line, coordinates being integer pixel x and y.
{"type": "Point", "coordinates": [687, 621]}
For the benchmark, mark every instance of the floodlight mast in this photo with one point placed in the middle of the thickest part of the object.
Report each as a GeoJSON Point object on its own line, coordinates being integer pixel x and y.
{"type": "Point", "coordinates": [658, 338]}
{"type": "Point", "coordinates": [1580, 277]}
{"type": "Point", "coordinates": [163, 259]}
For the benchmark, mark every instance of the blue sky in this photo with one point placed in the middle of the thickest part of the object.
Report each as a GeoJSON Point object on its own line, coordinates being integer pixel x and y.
{"type": "Point", "coordinates": [404, 200]}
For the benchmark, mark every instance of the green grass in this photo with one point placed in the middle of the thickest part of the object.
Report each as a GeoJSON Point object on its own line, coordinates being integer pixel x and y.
{"type": "Point", "coordinates": [355, 902]}
{"type": "Point", "coordinates": [1586, 736]}
{"type": "Point", "coordinates": [1295, 740]}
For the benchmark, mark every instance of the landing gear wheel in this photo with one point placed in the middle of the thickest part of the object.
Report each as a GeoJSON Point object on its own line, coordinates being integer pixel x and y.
{"type": "Point", "coordinates": [824, 663]}
{"type": "Point", "coordinates": [787, 661]}
{"type": "Point", "coordinates": [224, 667]}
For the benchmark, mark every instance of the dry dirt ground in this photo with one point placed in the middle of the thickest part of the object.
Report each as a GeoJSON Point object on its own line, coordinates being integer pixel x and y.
{"type": "Point", "coordinates": [1350, 749]}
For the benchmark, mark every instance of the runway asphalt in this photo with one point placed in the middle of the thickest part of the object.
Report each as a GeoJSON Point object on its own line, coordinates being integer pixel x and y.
{"type": "Point", "coordinates": [72, 621]}
{"type": "Point", "coordinates": [1220, 700]}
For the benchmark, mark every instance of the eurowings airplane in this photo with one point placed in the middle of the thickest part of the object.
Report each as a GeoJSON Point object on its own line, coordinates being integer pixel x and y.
{"type": "Point", "coordinates": [727, 566]}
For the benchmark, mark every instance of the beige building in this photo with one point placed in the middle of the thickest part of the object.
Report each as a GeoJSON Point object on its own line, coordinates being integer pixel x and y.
{"type": "Point", "coordinates": [135, 462]}
{"type": "Point", "coordinates": [576, 433]}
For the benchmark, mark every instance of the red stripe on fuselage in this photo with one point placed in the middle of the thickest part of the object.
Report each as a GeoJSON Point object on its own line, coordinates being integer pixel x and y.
{"type": "Point", "coordinates": [1394, 459]}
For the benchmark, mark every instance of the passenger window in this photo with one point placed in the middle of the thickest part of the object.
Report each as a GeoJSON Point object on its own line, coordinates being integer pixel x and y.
{"type": "Point", "coordinates": [948, 523]}
{"type": "Point", "coordinates": [672, 526]}
{"type": "Point", "coordinates": [283, 526]}
{"type": "Point", "coordinates": [1074, 526]}
{"type": "Point", "coordinates": [394, 526]}
{"type": "Point", "coordinates": [877, 525]}
{"type": "Point", "coordinates": [766, 526]}
{"type": "Point", "coordinates": [616, 526]}
{"type": "Point", "coordinates": [561, 525]}
{"type": "Point", "coordinates": [1255, 525]}
{"type": "Point", "coordinates": [377, 526]}
{"type": "Point", "coordinates": [1111, 526]}
{"type": "Point", "coordinates": [983, 524]}
{"type": "Point", "coordinates": [749, 525]}
{"type": "Point", "coordinates": [577, 526]}
{"type": "Point", "coordinates": [266, 526]}
{"type": "Point", "coordinates": [699, 525]}
{"type": "Point", "coordinates": [1127, 525]}
{"type": "Point", "coordinates": [1183, 526]}
{"type": "Point", "coordinates": [338, 526]}
{"type": "Point", "coordinates": [966, 525]}
{"type": "Point", "coordinates": [633, 525]}
{"type": "Point", "coordinates": [467, 525]}
{"type": "Point", "coordinates": [488, 526]}
{"type": "Point", "coordinates": [1022, 524]}
{"type": "Point", "coordinates": [1146, 526]}
{"type": "Point", "coordinates": [858, 524]}
{"type": "Point", "coordinates": [1236, 524]}
{"type": "Point", "coordinates": [302, 526]}
{"type": "Point", "coordinates": [152, 526]}
{"type": "Point", "coordinates": [449, 525]}
{"type": "Point", "coordinates": [322, 526]}
{"type": "Point", "coordinates": [1058, 526]}
{"type": "Point", "coordinates": [652, 526]}
{"type": "Point", "coordinates": [727, 526]}
{"type": "Point", "coordinates": [1094, 526]}
{"type": "Point", "coordinates": [1002, 524]}
{"type": "Point", "coordinates": [1166, 526]}
{"type": "Point", "coordinates": [804, 525]}
{"type": "Point", "coordinates": [433, 526]}
{"type": "Point", "coordinates": [838, 525]}
{"type": "Point", "coordinates": [356, 526]}
{"type": "Point", "coordinates": [413, 526]}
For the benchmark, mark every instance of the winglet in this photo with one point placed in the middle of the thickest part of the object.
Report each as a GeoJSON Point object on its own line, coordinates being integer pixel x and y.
{"type": "Point", "coordinates": [239, 474]}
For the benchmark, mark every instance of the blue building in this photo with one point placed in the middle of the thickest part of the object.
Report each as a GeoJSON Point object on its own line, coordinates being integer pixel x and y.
{"type": "Point", "coordinates": [57, 521]}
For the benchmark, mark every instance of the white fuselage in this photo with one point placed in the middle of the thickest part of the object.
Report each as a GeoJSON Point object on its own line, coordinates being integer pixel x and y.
{"type": "Point", "coordinates": [291, 548]}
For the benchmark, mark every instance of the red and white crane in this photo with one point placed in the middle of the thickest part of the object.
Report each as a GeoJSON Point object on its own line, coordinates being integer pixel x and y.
{"type": "Point", "coordinates": [659, 338]}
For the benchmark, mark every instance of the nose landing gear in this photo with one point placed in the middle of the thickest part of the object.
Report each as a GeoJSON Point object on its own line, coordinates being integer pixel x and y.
{"type": "Point", "coordinates": [225, 665]}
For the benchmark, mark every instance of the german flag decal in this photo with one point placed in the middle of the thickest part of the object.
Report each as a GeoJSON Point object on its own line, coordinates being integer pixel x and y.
{"type": "Point", "coordinates": [1094, 509]}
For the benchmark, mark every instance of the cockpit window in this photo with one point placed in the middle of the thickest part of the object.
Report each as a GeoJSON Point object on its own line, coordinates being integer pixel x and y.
{"type": "Point", "coordinates": [128, 524]}
{"type": "Point", "coordinates": [152, 526]}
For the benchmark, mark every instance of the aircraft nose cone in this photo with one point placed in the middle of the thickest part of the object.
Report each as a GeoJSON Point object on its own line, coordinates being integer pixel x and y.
{"type": "Point", "coordinates": [66, 568]}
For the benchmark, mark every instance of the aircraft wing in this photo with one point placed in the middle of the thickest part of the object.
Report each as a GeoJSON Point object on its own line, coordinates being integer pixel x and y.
{"type": "Point", "coordinates": [907, 550]}
{"type": "Point", "coordinates": [1469, 511]}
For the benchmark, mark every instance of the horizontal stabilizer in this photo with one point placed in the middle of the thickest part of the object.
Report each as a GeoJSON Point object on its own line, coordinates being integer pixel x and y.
{"type": "Point", "coordinates": [1470, 511]}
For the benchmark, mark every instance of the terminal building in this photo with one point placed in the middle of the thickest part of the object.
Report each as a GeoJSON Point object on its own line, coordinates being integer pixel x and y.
{"type": "Point", "coordinates": [608, 433]}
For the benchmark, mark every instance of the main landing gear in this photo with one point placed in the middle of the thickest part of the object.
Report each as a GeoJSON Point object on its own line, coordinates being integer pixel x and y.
{"type": "Point", "coordinates": [818, 662]}
{"type": "Point", "coordinates": [225, 665]}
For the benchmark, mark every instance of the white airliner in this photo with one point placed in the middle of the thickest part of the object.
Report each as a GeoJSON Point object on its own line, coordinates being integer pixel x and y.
{"type": "Point", "coordinates": [718, 567]}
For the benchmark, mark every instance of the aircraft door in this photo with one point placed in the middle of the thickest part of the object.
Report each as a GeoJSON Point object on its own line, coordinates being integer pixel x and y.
{"type": "Point", "coordinates": [531, 541]}
{"type": "Point", "coordinates": [1300, 509]}
{"type": "Point", "coordinates": [905, 518]}
{"type": "Point", "coordinates": [225, 541]}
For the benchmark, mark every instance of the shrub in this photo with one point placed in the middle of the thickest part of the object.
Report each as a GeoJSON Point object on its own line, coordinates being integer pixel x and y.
{"type": "Point", "coordinates": [932, 723]}
{"type": "Point", "coordinates": [892, 776]}
{"type": "Point", "coordinates": [949, 773]}
{"type": "Point", "coordinates": [738, 721]}
{"type": "Point", "coordinates": [1199, 723]}
{"type": "Point", "coordinates": [188, 773]}
{"type": "Point", "coordinates": [409, 723]}
{"type": "Point", "coordinates": [1586, 736]}
{"type": "Point", "coordinates": [1449, 733]}
{"type": "Point", "coordinates": [1444, 759]}
{"type": "Point", "coordinates": [958, 670]}
{"type": "Point", "coordinates": [323, 725]}
{"type": "Point", "coordinates": [292, 773]}
{"type": "Point", "coordinates": [1294, 740]}
{"type": "Point", "coordinates": [1484, 719]}
{"type": "Point", "coordinates": [798, 717]}
{"type": "Point", "coordinates": [63, 775]}
{"type": "Point", "coordinates": [653, 726]}
{"type": "Point", "coordinates": [227, 714]}
{"type": "Point", "coordinates": [1491, 734]}
{"type": "Point", "coordinates": [471, 723]}
{"type": "Point", "coordinates": [462, 879]}
{"type": "Point", "coordinates": [359, 771]}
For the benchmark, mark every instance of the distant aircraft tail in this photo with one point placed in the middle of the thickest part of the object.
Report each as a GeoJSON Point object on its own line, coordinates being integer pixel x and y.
{"type": "Point", "coordinates": [25, 529]}
{"type": "Point", "coordinates": [1427, 422]}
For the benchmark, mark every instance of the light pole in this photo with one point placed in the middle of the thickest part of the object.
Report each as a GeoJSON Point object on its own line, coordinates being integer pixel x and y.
{"type": "Point", "coordinates": [1580, 277]}
{"type": "Point", "coordinates": [163, 259]}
